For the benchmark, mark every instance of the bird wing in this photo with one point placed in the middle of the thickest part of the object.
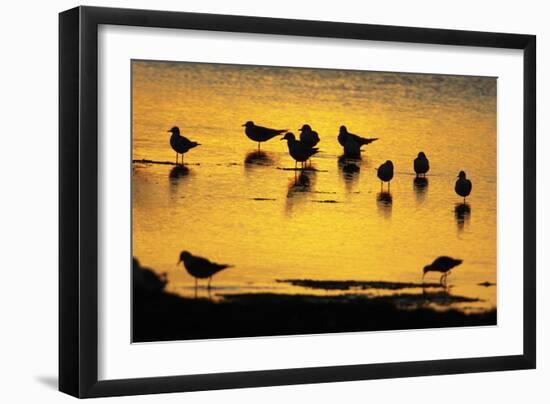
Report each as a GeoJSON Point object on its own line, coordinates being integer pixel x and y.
{"type": "Point", "coordinates": [270, 132]}
{"type": "Point", "coordinates": [315, 137]}
{"type": "Point", "coordinates": [445, 261]}
{"type": "Point", "coordinates": [204, 262]}
{"type": "Point", "coordinates": [362, 140]}
{"type": "Point", "coordinates": [187, 143]}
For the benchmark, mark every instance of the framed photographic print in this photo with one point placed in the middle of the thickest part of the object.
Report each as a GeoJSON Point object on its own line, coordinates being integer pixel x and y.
{"type": "Point", "coordinates": [251, 201]}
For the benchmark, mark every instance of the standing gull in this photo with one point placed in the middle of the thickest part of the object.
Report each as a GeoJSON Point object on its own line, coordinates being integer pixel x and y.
{"type": "Point", "coordinates": [344, 136]}
{"type": "Point", "coordinates": [463, 186]}
{"type": "Point", "coordinates": [260, 134]}
{"type": "Point", "coordinates": [308, 136]}
{"type": "Point", "coordinates": [385, 173]}
{"type": "Point", "coordinates": [180, 144]}
{"type": "Point", "coordinates": [421, 165]}
{"type": "Point", "coordinates": [298, 150]}
{"type": "Point", "coordinates": [442, 264]}
{"type": "Point", "coordinates": [199, 267]}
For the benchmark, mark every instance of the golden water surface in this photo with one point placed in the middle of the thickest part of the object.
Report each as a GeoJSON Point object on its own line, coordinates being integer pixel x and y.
{"type": "Point", "coordinates": [236, 207]}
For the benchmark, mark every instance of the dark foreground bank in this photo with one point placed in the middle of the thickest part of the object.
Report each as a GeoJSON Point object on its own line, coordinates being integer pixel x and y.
{"type": "Point", "coordinates": [164, 316]}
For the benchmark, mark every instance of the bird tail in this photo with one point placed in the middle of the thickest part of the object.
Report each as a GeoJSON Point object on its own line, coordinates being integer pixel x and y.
{"type": "Point", "coordinates": [369, 140]}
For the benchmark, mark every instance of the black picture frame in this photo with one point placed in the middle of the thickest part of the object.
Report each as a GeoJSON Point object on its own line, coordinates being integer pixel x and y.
{"type": "Point", "coordinates": [78, 201]}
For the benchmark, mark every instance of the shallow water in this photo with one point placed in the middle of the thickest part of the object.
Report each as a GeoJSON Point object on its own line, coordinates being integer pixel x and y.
{"type": "Point", "coordinates": [330, 223]}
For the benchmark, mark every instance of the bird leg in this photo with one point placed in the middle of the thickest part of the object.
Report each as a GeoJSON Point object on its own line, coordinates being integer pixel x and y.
{"type": "Point", "coordinates": [209, 281]}
{"type": "Point", "coordinates": [258, 147]}
{"type": "Point", "coordinates": [389, 185]}
{"type": "Point", "coordinates": [196, 286]}
{"type": "Point", "coordinates": [176, 158]}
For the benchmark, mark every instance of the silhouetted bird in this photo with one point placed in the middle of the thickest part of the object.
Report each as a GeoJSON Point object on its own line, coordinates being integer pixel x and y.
{"type": "Point", "coordinates": [463, 186]}
{"type": "Point", "coordinates": [385, 173]}
{"type": "Point", "coordinates": [260, 134]}
{"type": "Point", "coordinates": [308, 136]}
{"type": "Point", "coordinates": [180, 144]}
{"type": "Point", "coordinates": [344, 135]}
{"type": "Point", "coordinates": [352, 149]}
{"type": "Point", "coordinates": [442, 264]}
{"type": "Point", "coordinates": [298, 150]}
{"type": "Point", "coordinates": [200, 268]}
{"type": "Point", "coordinates": [421, 164]}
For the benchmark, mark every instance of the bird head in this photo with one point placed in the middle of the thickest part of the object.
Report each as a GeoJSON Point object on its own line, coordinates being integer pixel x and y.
{"type": "Point", "coordinates": [389, 163]}
{"type": "Point", "coordinates": [184, 255]}
{"type": "Point", "coordinates": [289, 136]}
{"type": "Point", "coordinates": [248, 124]}
{"type": "Point", "coordinates": [426, 269]}
{"type": "Point", "coordinates": [305, 127]}
{"type": "Point", "coordinates": [174, 129]}
{"type": "Point", "coordinates": [343, 129]}
{"type": "Point", "coordinates": [462, 175]}
{"type": "Point", "coordinates": [421, 155]}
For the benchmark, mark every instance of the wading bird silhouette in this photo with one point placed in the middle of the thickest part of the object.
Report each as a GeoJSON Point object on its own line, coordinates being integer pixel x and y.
{"type": "Point", "coordinates": [200, 268]}
{"type": "Point", "coordinates": [308, 136]}
{"type": "Point", "coordinates": [421, 165]}
{"type": "Point", "coordinates": [385, 173]}
{"type": "Point", "coordinates": [352, 143]}
{"type": "Point", "coordinates": [298, 150]}
{"type": "Point", "coordinates": [463, 186]}
{"type": "Point", "coordinates": [442, 264]}
{"type": "Point", "coordinates": [180, 144]}
{"type": "Point", "coordinates": [260, 134]}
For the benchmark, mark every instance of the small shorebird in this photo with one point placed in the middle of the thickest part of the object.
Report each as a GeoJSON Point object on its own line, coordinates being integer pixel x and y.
{"type": "Point", "coordinates": [442, 264]}
{"type": "Point", "coordinates": [463, 186]}
{"type": "Point", "coordinates": [344, 135]}
{"type": "Point", "coordinates": [200, 268]}
{"type": "Point", "coordinates": [421, 165]}
{"type": "Point", "coordinates": [385, 173]}
{"type": "Point", "coordinates": [180, 144]}
{"type": "Point", "coordinates": [308, 136]}
{"type": "Point", "coordinates": [298, 150]}
{"type": "Point", "coordinates": [260, 134]}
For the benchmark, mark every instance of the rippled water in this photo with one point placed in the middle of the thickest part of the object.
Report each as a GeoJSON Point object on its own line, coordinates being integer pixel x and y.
{"type": "Point", "coordinates": [234, 206]}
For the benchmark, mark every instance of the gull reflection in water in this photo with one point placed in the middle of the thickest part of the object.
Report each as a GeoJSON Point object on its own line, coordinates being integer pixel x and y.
{"type": "Point", "coordinates": [462, 215]}
{"type": "Point", "coordinates": [384, 201]}
{"type": "Point", "coordinates": [349, 170]}
{"type": "Point", "coordinates": [299, 188]}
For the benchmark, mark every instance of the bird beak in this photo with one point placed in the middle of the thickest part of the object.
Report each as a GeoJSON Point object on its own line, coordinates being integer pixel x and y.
{"type": "Point", "coordinates": [178, 262]}
{"type": "Point", "coordinates": [168, 131]}
{"type": "Point", "coordinates": [282, 138]}
{"type": "Point", "coordinates": [244, 124]}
